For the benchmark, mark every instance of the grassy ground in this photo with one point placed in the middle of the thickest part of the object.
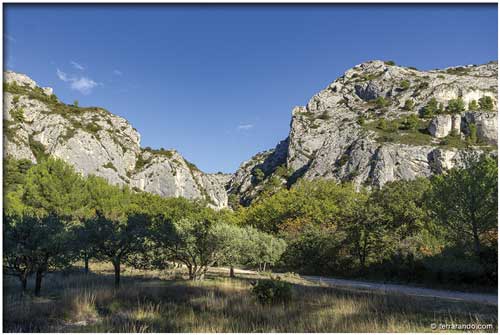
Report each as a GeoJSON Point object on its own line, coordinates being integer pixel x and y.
{"type": "Point", "coordinates": [164, 302]}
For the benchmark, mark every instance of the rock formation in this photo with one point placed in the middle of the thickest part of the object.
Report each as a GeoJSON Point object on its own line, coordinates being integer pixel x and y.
{"type": "Point", "coordinates": [358, 128]}
{"type": "Point", "coordinates": [94, 141]}
{"type": "Point", "coordinates": [368, 127]}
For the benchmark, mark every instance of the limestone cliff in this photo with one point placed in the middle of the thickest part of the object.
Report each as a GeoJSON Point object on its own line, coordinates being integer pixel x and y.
{"type": "Point", "coordinates": [371, 126]}
{"type": "Point", "coordinates": [94, 141]}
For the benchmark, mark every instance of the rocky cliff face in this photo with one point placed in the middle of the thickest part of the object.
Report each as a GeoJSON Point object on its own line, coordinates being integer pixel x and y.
{"type": "Point", "coordinates": [377, 123]}
{"type": "Point", "coordinates": [94, 141]}
{"type": "Point", "coordinates": [371, 126]}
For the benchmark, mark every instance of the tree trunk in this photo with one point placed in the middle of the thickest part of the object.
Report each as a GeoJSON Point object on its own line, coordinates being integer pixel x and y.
{"type": "Point", "coordinates": [190, 272]}
{"type": "Point", "coordinates": [38, 282]}
{"type": "Point", "coordinates": [86, 260]}
{"type": "Point", "coordinates": [116, 265]}
{"type": "Point", "coordinates": [477, 243]}
{"type": "Point", "coordinates": [231, 272]}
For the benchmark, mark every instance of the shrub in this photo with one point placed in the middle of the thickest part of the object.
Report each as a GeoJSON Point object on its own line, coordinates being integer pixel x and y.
{"type": "Point", "coordinates": [486, 103]}
{"type": "Point", "coordinates": [405, 84]}
{"type": "Point", "coordinates": [258, 175]}
{"type": "Point", "coordinates": [382, 124]}
{"type": "Point", "coordinates": [472, 138]}
{"type": "Point", "coordinates": [272, 291]}
{"type": "Point", "coordinates": [411, 122]}
{"type": "Point", "coordinates": [17, 114]}
{"type": "Point", "coordinates": [455, 106]}
{"type": "Point", "coordinates": [473, 106]}
{"type": "Point", "coordinates": [431, 108]}
{"type": "Point", "coordinates": [381, 102]}
{"type": "Point", "coordinates": [409, 105]}
{"type": "Point", "coordinates": [390, 62]}
{"type": "Point", "coordinates": [361, 120]}
{"type": "Point", "coordinates": [75, 103]}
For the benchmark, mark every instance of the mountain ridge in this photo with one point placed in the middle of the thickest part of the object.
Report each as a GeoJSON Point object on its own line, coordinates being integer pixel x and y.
{"type": "Point", "coordinates": [355, 129]}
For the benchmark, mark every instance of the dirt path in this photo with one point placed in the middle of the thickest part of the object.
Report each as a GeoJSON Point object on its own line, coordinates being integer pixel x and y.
{"type": "Point", "coordinates": [491, 299]}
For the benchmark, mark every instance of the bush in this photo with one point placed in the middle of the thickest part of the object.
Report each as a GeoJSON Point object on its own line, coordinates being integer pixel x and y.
{"type": "Point", "coordinates": [431, 108]}
{"type": "Point", "coordinates": [473, 106]}
{"type": "Point", "coordinates": [409, 105]}
{"type": "Point", "coordinates": [272, 291]}
{"type": "Point", "coordinates": [486, 103]}
{"type": "Point", "coordinates": [390, 62]}
{"type": "Point", "coordinates": [405, 84]}
{"type": "Point", "coordinates": [381, 102]}
{"type": "Point", "coordinates": [455, 106]}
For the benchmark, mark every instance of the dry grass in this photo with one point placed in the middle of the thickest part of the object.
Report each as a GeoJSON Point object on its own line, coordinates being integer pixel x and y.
{"type": "Point", "coordinates": [161, 302]}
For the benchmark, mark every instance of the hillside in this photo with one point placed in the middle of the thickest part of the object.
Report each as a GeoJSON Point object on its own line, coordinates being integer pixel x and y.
{"type": "Point", "coordinates": [377, 123]}
{"type": "Point", "coordinates": [37, 124]}
{"type": "Point", "coordinates": [370, 126]}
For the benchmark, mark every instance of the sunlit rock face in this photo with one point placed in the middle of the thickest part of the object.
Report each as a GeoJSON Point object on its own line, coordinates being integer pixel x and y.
{"type": "Point", "coordinates": [335, 135]}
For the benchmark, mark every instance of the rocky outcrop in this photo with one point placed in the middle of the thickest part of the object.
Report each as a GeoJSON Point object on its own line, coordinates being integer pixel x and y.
{"type": "Point", "coordinates": [366, 127]}
{"type": "Point", "coordinates": [339, 134]}
{"type": "Point", "coordinates": [486, 123]}
{"type": "Point", "coordinates": [94, 141]}
{"type": "Point", "coordinates": [440, 126]}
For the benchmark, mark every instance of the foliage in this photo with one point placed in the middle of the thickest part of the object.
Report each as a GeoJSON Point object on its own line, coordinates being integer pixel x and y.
{"type": "Point", "coordinates": [272, 291]}
{"type": "Point", "coordinates": [472, 136]}
{"type": "Point", "coordinates": [409, 105]}
{"type": "Point", "coordinates": [465, 203]}
{"type": "Point", "coordinates": [411, 122]}
{"type": "Point", "coordinates": [390, 62]}
{"type": "Point", "coordinates": [404, 84]}
{"type": "Point", "coordinates": [431, 108]}
{"type": "Point", "coordinates": [473, 106]}
{"type": "Point", "coordinates": [258, 175]}
{"type": "Point", "coordinates": [381, 102]}
{"type": "Point", "coordinates": [35, 245]}
{"type": "Point", "coordinates": [486, 103]}
{"type": "Point", "coordinates": [455, 106]}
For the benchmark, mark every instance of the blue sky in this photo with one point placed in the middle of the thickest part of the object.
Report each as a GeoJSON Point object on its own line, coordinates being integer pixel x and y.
{"type": "Point", "coordinates": [218, 82]}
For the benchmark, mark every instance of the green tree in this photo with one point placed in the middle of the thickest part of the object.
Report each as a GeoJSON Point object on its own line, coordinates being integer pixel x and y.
{"type": "Point", "coordinates": [473, 106]}
{"type": "Point", "coordinates": [35, 245]}
{"type": "Point", "coordinates": [53, 188]}
{"type": "Point", "coordinates": [431, 108]}
{"type": "Point", "coordinates": [472, 136]}
{"type": "Point", "coordinates": [258, 174]}
{"type": "Point", "coordinates": [197, 244]}
{"type": "Point", "coordinates": [116, 237]}
{"type": "Point", "coordinates": [486, 103]}
{"type": "Point", "coordinates": [465, 201]}
{"type": "Point", "coordinates": [75, 103]}
{"type": "Point", "coordinates": [411, 122]}
{"type": "Point", "coordinates": [261, 249]}
{"type": "Point", "coordinates": [455, 106]}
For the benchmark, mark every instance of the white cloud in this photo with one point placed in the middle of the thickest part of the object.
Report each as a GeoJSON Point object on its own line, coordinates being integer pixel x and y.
{"type": "Point", "coordinates": [62, 75]}
{"type": "Point", "coordinates": [77, 66]}
{"type": "Point", "coordinates": [117, 72]}
{"type": "Point", "coordinates": [245, 126]}
{"type": "Point", "coordinates": [84, 85]}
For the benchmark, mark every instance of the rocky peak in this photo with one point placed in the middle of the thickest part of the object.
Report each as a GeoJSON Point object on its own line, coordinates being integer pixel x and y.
{"type": "Point", "coordinates": [95, 141]}
{"type": "Point", "coordinates": [367, 126]}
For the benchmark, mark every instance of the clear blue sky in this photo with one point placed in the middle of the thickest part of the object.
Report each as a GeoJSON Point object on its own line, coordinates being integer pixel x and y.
{"type": "Point", "coordinates": [218, 82]}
